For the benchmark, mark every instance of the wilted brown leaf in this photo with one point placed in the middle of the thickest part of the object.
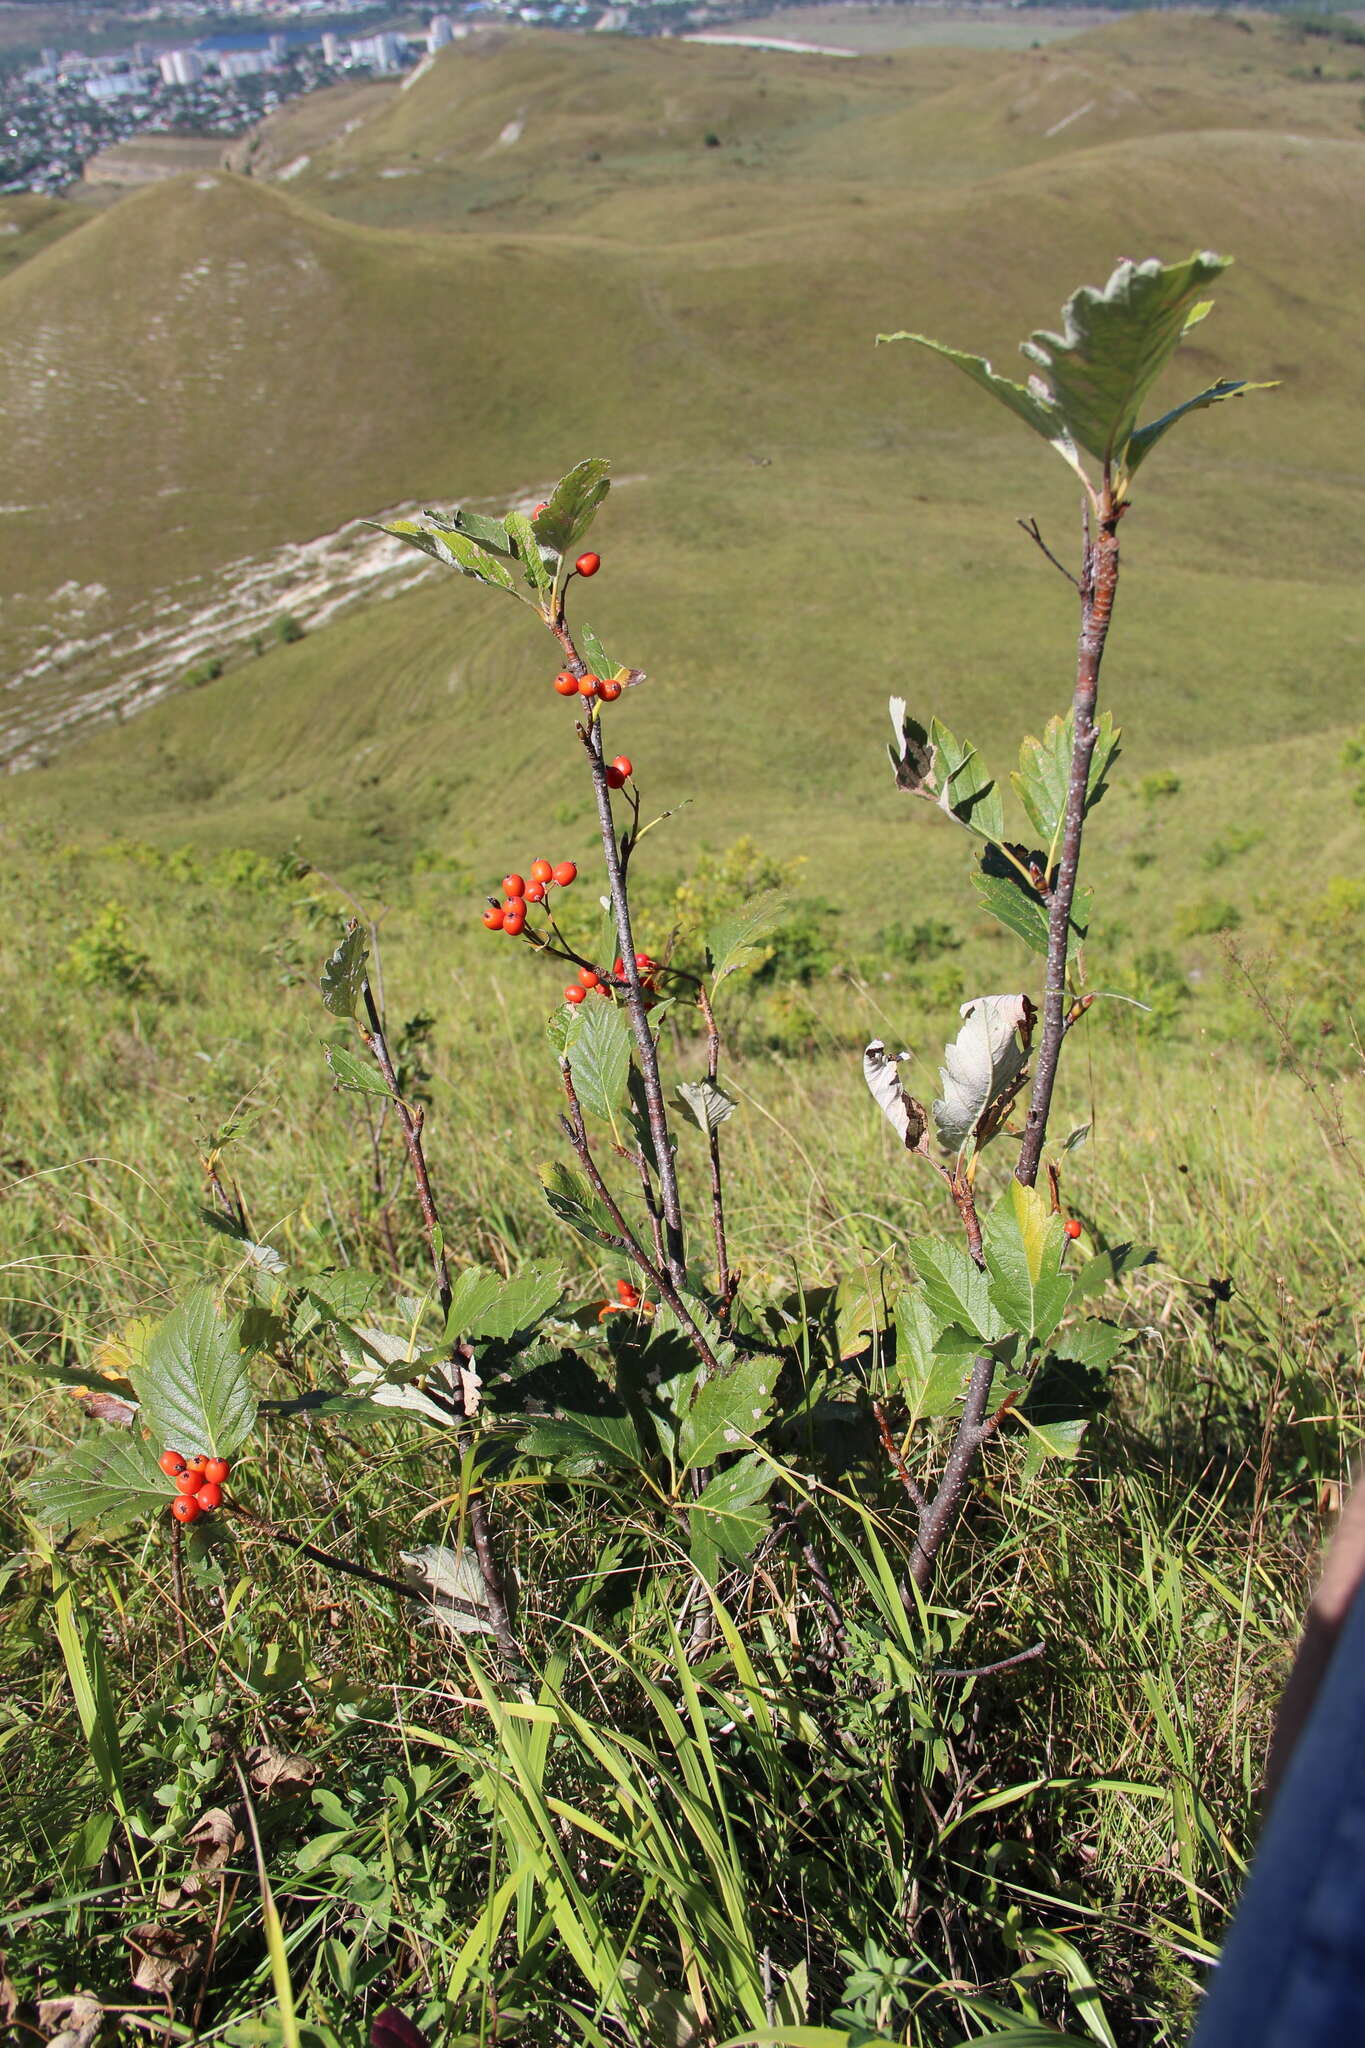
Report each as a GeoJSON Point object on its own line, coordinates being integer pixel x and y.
{"type": "Point", "coordinates": [164, 1956]}
{"type": "Point", "coordinates": [73, 2020]}
{"type": "Point", "coordinates": [279, 1770]}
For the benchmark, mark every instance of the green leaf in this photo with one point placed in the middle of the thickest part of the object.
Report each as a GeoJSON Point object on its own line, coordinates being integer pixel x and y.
{"type": "Point", "coordinates": [1051, 1440]}
{"type": "Point", "coordinates": [335, 1297]}
{"type": "Point", "coordinates": [1094, 1343]}
{"type": "Point", "coordinates": [1022, 1242]}
{"type": "Point", "coordinates": [580, 1444]}
{"type": "Point", "coordinates": [456, 550]}
{"type": "Point", "coordinates": [520, 1305]}
{"type": "Point", "coordinates": [1044, 773]}
{"type": "Point", "coordinates": [734, 943]}
{"type": "Point", "coordinates": [1114, 345]}
{"type": "Point", "coordinates": [730, 1518]}
{"type": "Point", "coordinates": [575, 1203]}
{"type": "Point", "coordinates": [703, 1104]}
{"type": "Point", "coordinates": [966, 790]}
{"type": "Point", "coordinates": [956, 1289]}
{"type": "Point", "coordinates": [1032, 405]}
{"type": "Point", "coordinates": [932, 1380]}
{"type": "Point", "coordinates": [489, 532]}
{"type": "Point", "coordinates": [192, 1384]}
{"type": "Point", "coordinates": [1013, 903]}
{"type": "Point", "coordinates": [1108, 1267]}
{"type": "Point", "coordinates": [527, 544]}
{"type": "Point", "coordinates": [1146, 438]}
{"type": "Point", "coordinates": [572, 506]}
{"type": "Point", "coordinates": [598, 1049]}
{"type": "Point", "coordinates": [107, 1480]}
{"type": "Point", "coordinates": [343, 976]}
{"type": "Point", "coordinates": [473, 1295]}
{"type": "Point", "coordinates": [727, 1411]}
{"type": "Point", "coordinates": [352, 1072]}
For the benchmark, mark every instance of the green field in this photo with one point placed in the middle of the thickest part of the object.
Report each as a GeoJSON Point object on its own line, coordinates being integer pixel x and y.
{"type": "Point", "coordinates": [671, 1828]}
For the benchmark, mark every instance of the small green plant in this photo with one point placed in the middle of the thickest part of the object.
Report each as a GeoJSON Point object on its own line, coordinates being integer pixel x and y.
{"type": "Point", "coordinates": [104, 955]}
{"type": "Point", "coordinates": [288, 629]}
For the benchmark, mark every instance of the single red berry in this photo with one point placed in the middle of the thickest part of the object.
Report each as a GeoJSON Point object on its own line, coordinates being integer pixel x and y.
{"type": "Point", "coordinates": [618, 967]}
{"type": "Point", "coordinates": [588, 565]}
{"type": "Point", "coordinates": [493, 917]}
{"type": "Point", "coordinates": [608, 689]}
{"type": "Point", "coordinates": [623, 767]}
{"type": "Point", "coordinates": [513, 916]}
{"type": "Point", "coordinates": [645, 960]}
{"type": "Point", "coordinates": [566, 684]}
{"type": "Point", "coordinates": [216, 1471]}
{"type": "Point", "coordinates": [512, 885]}
{"type": "Point", "coordinates": [614, 778]}
{"type": "Point", "coordinates": [1073, 1228]}
{"type": "Point", "coordinates": [198, 1462]}
{"type": "Point", "coordinates": [188, 1482]}
{"type": "Point", "coordinates": [541, 870]}
{"type": "Point", "coordinates": [209, 1497]}
{"type": "Point", "coordinates": [535, 892]}
{"type": "Point", "coordinates": [587, 686]}
{"type": "Point", "coordinates": [186, 1509]}
{"type": "Point", "coordinates": [589, 977]}
{"type": "Point", "coordinates": [610, 1308]}
{"type": "Point", "coordinates": [543, 506]}
{"type": "Point", "coordinates": [565, 873]}
{"type": "Point", "coordinates": [171, 1463]}
{"type": "Point", "coordinates": [573, 993]}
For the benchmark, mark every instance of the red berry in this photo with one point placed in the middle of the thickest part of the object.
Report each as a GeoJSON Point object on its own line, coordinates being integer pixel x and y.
{"type": "Point", "coordinates": [198, 1462]}
{"type": "Point", "coordinates": [216, 1471]}
{"type": "Point", "coordinates": [608, 689]}
{"type": "Point", "coordinates": [589, 977]}
{"type": "Point", "coordinates": [566, 684]}
{"type": "Point", "coordinates": [543, 506]}
{"type": "Point", "coordinates": [623, 767]}
{"type": "Point", "coordinates": [614, 778]}
{"type": "Point", "coordinates": [618, 967]}
{"type": "Point", "coordinates": [588, 565]}
{"type": "Point", "coordinates": [188, 1482]}
{"type": "Point", "coordinates": [513, 916]}
{"type": "Point", "coordinates": [512, 885]}
{"type": "Point", "coordinates": [628, 1291]}
{"type": "Point", "coordinates": [493, 917]}
{"type": "Point", "coordinates": [1073, 1228]}
{"type": "Point", "coordinates": [565, 873]}
{"type": "Point", "coordinates": [209, 1497]}
{"type": "Point", "coordinates": [645, 960]}
{"type": "Point", "coordinates": [587, 686]}
{"type": "Point", "coordinates": [185, 1509]}
{"type": "Point", "coordinates": [171, 1463]}
{"type": "Point", "coordinates": [541, 870]}
{"type": "Point", "coordinates": [609, 1308]}
{"type": "Point", "coordinates": [573, 993]}
{"type": "Point", "coordinates": [535, 892]}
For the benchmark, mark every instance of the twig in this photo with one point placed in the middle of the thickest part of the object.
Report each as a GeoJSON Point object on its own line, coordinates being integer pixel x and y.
{"type": "Point", "coordinates": [725, 1283]}
{"type": "Point", "coordinates": [411, 1126]}
{"type": "Point", "coordinates": [988, 1670]}
{"type": "Point", "coordinates": [902, 1471]}
{"type": "Point", "coordinates": [178, 1589]}
{"type": "Point", "coordinates": [1030, 527]}
{"type": "Point", "coordinates": [972, 1431]}
{"type": "Point", "coordinates": [274, 1534]}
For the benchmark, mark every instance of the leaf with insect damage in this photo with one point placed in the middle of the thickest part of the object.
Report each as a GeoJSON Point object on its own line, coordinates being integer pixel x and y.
{"type": "Point", "coordinates": [907, 1117]}
{"type": "Point", "coordinates": [981, 1064]}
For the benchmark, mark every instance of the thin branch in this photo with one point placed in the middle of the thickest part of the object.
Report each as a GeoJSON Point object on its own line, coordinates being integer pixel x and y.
{"type": "Point", "coordinates": [972, 1431]}
{"type": "Point", "coordinates": [332, 1563]}
{"type": "Point", "coordinates": [1030, 527]}
{"type": "Point", "coordinates": [988, 1670]}
{"type": "Point", "coordinates": [410, 1124]}
{"type": "Point", "coordinates": [725, 1281]}
{"type": "Point", "coordinates": [178, 1588]}
{"type": "Point", "coordinates": [914, 1491]}
{"type": "Point", "coordinates": [1099, 582]}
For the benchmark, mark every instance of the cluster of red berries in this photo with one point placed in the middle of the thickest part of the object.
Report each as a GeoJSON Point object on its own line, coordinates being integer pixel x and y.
{"type": "Point", "coordinates": [605, 687]}
{"type": "Point", "coordinates": [629, 1302]}
{"type": "Point", "coordinates": [199, 1484]}
{"type": "Point", "coordinates": [589, 978]}
{"type": "Point", "coordinates": [511, 915]}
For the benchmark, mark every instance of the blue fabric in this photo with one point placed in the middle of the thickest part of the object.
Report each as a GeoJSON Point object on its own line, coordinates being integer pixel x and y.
{"type": "Point", "coordinates": [1292, 1972]}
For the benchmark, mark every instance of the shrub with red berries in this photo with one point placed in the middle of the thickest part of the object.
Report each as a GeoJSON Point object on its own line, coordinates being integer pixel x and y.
{"type": "Point", "coordinates": [199, 1484]}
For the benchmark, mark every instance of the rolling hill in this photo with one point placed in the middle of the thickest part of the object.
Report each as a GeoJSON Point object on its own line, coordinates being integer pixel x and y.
{"type": "Point", "coordinates": [220, 366]}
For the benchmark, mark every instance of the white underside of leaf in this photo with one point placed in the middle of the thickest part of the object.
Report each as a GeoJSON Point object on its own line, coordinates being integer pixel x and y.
{"type": "Point", "coordinates": [984, 1058]}
{"type": "Point", "coordinates": [447, 1576]}
{"type": "Point", "coordinates": [905, 1115]}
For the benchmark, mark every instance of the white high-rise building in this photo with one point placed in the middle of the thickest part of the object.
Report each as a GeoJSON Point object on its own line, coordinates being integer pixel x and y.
{"type": "Point", "coordinates": [181, 67]}
{"type": "Point", "coordinates": [440, 31]}
{"type": "Point", "coordinates": [332, 48]}
{"type": "Point", "coordinates": [385, 52]}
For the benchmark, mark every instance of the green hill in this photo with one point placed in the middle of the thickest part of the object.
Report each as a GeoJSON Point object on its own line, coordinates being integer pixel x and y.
{"type": "Point", "coordinates": [708, 322]}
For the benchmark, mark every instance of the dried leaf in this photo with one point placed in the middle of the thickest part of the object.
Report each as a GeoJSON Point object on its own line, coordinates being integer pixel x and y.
{"type": "Point", "coordinates": [452, 1581]}
{"type": "Point", "coordinates": [75, 2020]}
{"type": "Point", "coordinates": [164, 1957]}
{"type": "Point", "coordinates": [393, 2029]}
{"type": "Point", "coordinates": [906, 1117]}
{"type": "Point", "coordinates": [912, 757]}
{"type": "Point", "coordinates": [215, 1839]}
{"type": "Point", "coordinates": [279, 1770]}
{"type": "Point", "coordinates": [106, 1408]}
{"type": "Point", "coordinates": [982, 1063]}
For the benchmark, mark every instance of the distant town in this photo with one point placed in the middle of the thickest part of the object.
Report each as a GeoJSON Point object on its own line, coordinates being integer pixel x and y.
{"type": "Point", "coordinates": [59, 113]}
